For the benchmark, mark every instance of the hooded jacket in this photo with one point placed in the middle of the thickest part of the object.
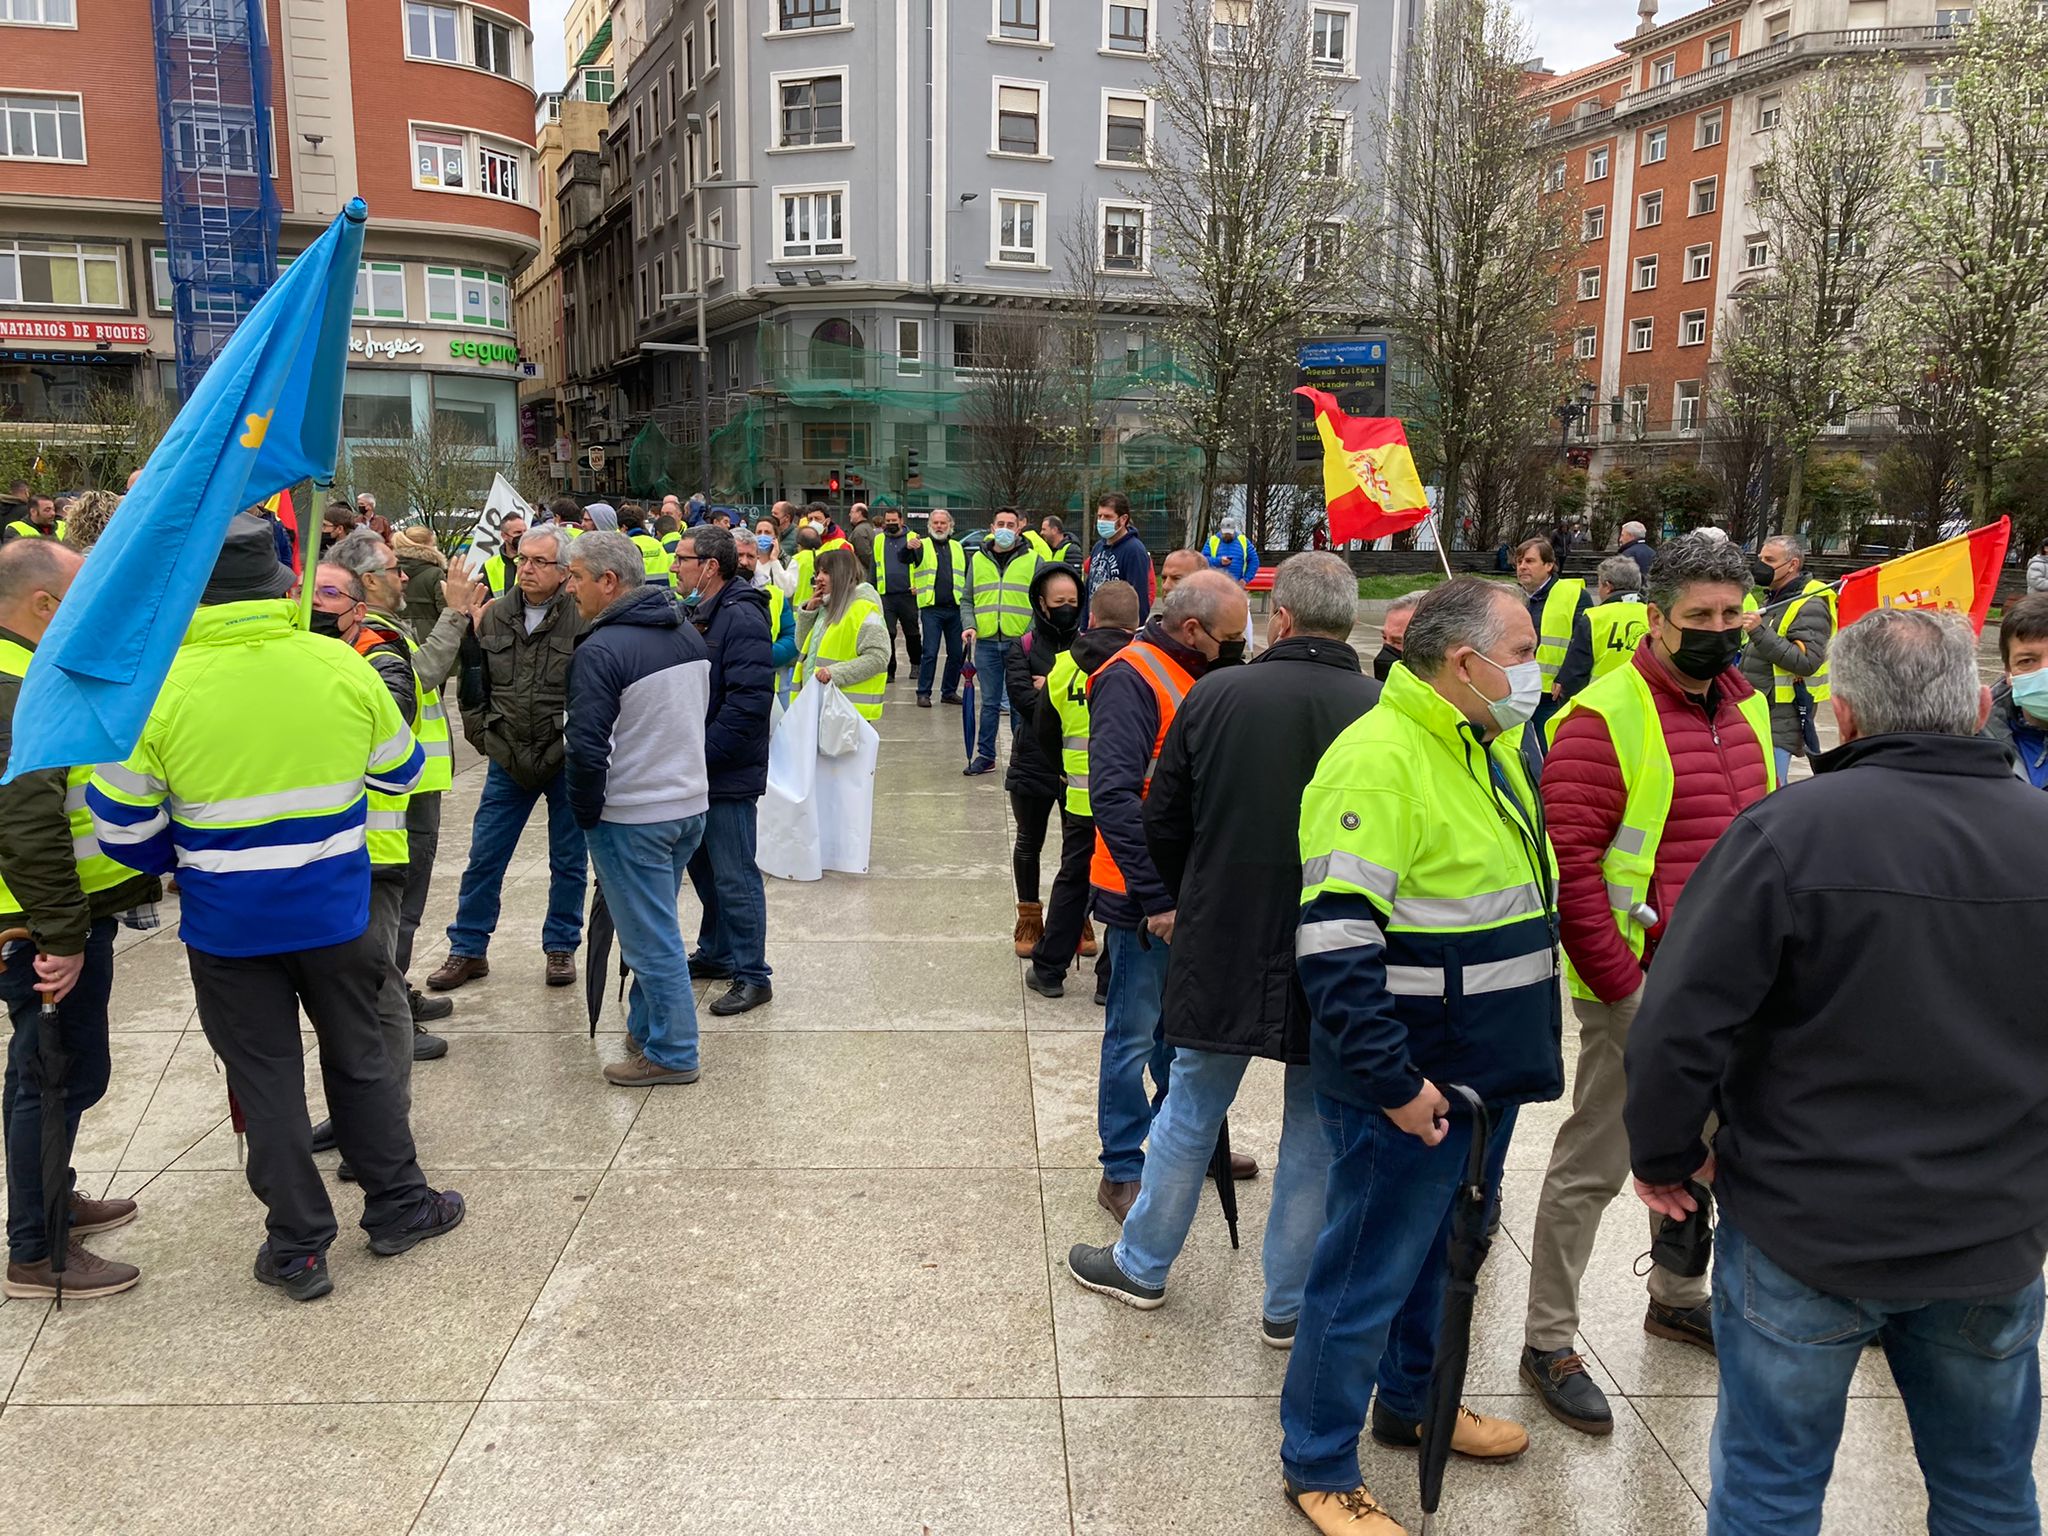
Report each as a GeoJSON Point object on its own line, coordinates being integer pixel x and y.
{"type": "Point", "coordinates": [638, 689]}
{"type": "Point", "coordinates": [1032, 770]}
{"type": "Point", "coordinates": [734, 624]}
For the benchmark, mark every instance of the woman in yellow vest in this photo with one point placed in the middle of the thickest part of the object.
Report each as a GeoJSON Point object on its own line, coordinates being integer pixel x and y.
{"type": "Point", "coordinates": [840, 636]}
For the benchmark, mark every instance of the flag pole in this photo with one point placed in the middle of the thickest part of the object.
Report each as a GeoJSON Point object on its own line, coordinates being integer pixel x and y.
{"type": "Point", "coordinates": [1442, 554]}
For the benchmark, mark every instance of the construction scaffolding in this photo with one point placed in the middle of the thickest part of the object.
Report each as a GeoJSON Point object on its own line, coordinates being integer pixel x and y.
{"type": "Point", "coordinates": [220, 207]}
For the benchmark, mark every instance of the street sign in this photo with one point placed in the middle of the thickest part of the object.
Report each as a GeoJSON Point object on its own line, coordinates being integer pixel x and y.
{"type": "Point", "coordinates": [1353, 368]}
{"type": "Point", "coordinates": [597, 455]}
{"type": "Point", "coordinates": [565, 450]}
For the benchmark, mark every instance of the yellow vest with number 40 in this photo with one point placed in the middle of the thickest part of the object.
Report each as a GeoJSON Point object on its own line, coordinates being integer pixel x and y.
{"type": "Point", "coordinates": [1618, 627]}
{"type": "Point", "coordinates": [96, 872]}
{"type": "Point", "coordinates": [830, 645]}
{"type": "Point", "coordinates": [1067, 687]}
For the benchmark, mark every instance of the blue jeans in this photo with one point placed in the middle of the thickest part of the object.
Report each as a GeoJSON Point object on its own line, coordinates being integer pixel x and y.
{"type": "Point", "coordinates": [1375, 1291]}
{"type": "Point", "coordinates": [989, 676]}
{"type": "Point", "coordinates": [1784, 765]}
{"type": "Point", "coordinates": [82, 1024]}
{"type": "Point", "coordinates": [1177, 1167]}
{"type": "Point", "coordinates": [641, 867]}
{"type": "Point", "coordinates": [1131, 1041]}
{"type": "Point", "coordinates": [502, 812]}
{"type": "Point", "coordinates": [1968, 1371]}
{"type": "Point", "coordinates": [734, 933]}
{"type": "Point", "coordinates": [939, 623]}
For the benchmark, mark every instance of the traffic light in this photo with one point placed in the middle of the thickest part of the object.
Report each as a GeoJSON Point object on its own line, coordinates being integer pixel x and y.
{"type": "Point", "coordinates": [913, 477]}
{"type": "Point", "coordinates": [832, 482]}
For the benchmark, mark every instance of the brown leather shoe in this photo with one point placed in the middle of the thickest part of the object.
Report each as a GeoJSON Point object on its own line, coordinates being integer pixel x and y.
{"type": "Point", "coordinates": [636, 1071]}
{"type": "Point", "coordinates": [85, 1274]}
{"type": "Point", "coordinates": [90, 1216]}
{"type": "Point", "coordinates": [1030, 928]}
{"type": "Point", "coordinates": [561, 969]}
{"type": "Point", "coordinates": [1117, 1196]}
{"type": "Point", "coordinates": [1243, 1166]}
{"type": "Point", "coordinates": [1354, 1513]}
{"type": "Point", "coordinates": [1477, 1436]}
{"type": "Point", "coordinates": [456, 970]}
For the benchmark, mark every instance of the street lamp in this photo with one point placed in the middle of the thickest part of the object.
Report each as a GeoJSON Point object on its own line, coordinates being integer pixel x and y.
{"type": "Point", "coordinates": [1572, 413]}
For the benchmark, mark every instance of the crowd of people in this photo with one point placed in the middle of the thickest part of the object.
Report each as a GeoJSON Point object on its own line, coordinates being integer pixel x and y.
{"type": "Point", "coordinates": [1810, 1008]}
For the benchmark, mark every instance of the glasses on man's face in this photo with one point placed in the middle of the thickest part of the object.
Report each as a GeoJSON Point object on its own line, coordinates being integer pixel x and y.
{"type": "Point", "coordinates": [331, 593]}
{"type": "Point", "coordinates": [534, 560]}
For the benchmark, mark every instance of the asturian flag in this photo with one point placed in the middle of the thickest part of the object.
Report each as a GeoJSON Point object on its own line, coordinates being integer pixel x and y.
{"type": "Point", "coordinates": [1370, 487]}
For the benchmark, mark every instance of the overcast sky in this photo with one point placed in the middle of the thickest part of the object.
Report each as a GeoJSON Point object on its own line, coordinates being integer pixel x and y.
{"type": "Point", "coordinates": [550, 69]}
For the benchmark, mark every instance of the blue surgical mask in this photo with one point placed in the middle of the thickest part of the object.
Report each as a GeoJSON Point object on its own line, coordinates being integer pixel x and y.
{"type": "Point", "coordinates": [764, 542]}
{"type": "Point", "coordinates": [1003, 538]}
{"type": "Point", "coordinates": [2030, 692]}
{"type": "Point", "coordinates": [1105, 527]}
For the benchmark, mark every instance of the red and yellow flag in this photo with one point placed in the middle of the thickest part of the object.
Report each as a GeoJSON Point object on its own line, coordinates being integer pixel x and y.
{"type": "Point", "coordinates": [1369, 482]}
{"type": "Point", "coordinates": [1960, 573]}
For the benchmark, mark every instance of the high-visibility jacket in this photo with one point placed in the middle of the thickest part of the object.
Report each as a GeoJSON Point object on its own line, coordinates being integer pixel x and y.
{"type": "Point", "coordinates": [880, 564]}
{"type": "Point", "coordinates": [1067, 687]}
{"type": "Point", "coordinates": [384, 824]}
{"type": "Point", "coordinates": [829, 645]}
{"type": "Point", "coordinates": [1623, 700]}
{"type": "Point", "coordinates": [806, 563]}
{"type": "Point", "coordinates": [430, 718]}
{"type": "Point", "coordinates": [1170, 682]}
{"type": "Point", "coordinates": [1428, 939]}
{"type": "Point", "coordinates": [924, 571]}
{"type": "Point", "coordinates": [777, 601]}
{"type": "Point", "coordinates": [1065, 554]}
{"type": "Point", "coordinates": [1002, 594]}
{"type": "Point", "coordinates": [836, 541]}
{"type": "Point", "coordinates": [1618, 626]}
{"type": "Point", "coordinates": [657, 560]}
{"type": "Point", "coordinates": [96, 872]}
{"type": "Point", "coordinates": [1554, 634]}
{"type": "Point", "coordinates": [27, 530]}
{"type": "Point", "coordinates": [1783, 683]}
{"type": "Point", "coordinates": [251, 780]}
{"type": "Point", "coordinates": [669, 541]}
{"type": "Point", "coordinates": [497, 574]}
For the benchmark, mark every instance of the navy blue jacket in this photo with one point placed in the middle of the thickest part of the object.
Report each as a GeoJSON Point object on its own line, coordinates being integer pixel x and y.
{"type": "Point", "coordinates": [1125, 560]}
{"type": "Point", "coordinates": [634, 742]}
{"type": "Point", "coordinates": [1123, 722]}
{"type": "Point", "coordinates": [734, 624]}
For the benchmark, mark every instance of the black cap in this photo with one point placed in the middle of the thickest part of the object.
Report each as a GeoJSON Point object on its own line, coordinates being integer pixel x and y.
{"type": "Point", "coordinates": [248, 570]}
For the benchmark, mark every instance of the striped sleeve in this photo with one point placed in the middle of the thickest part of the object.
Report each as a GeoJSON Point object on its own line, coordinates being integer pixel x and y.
{"type": "Point", "coordinates": [130, 811]}
{"type": "Point", "coordinates": [397, 760]}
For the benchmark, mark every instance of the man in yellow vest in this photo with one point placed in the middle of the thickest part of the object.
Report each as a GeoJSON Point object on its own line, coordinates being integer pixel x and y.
{"type": "Point", "coordinates": [1650, 765]}
{"type": "Point", "coordinates": [501, 568]}
{"type": "Point", "coordinates": [1555, 603]}
{"type": "Point", "coordinates": [38, 521]}
{"type": "Point", "coordinates": [938, 581]}
{"type": "Point", "coordinates": [1787, 655]}
{"type": "Point", "coordinates": [891, 555]}
{"type": "Point", "coordinates": [56, 883]}
{"type": "Point", "coordinates": [1607, 634]}
{"type": "Point", "coordinates": [999, 614]}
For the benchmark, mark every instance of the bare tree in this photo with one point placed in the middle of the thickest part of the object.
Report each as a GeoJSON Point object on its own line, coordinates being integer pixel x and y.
{"type": "Point", "coordinates": [1923, 478]}
{"type": "Point", "coordinates": [1085, 393]}
{"type": "Point", "coordinates": [1013, 408]}
{"type": "Point", "coordinates": [439, 473]}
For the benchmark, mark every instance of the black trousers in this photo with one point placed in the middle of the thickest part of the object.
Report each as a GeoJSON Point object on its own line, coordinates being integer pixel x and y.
{"type": "Point", "coordinates": [1067, 914]}
{"type": "Point", "coordinates": [899, 611]}
{"type": "Point", "coordinates": [422, 842]}
{"type": "Point", "coordinates": [249, 1008]}
{"type": "Point", "coordinates": [1034, 815]}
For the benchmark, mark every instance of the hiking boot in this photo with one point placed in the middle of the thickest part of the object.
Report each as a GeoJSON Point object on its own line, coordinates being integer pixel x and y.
{"type": "Point", "coordinates": [561, 968]}
{"type": "Point", "coordinates": [1036, 981]}
{"type": "Point", "coordinates": [1353, 1513]}
{"type": "Point", "coordinates": [1117, 1196]}
{"type": "Point", "coordinates": [1088, 945]}
{"type": "Point", "coordinates": [85, 1274]}
{"type": "Point", "coordinates": [741, 996]}
{"type": "Point", "coordinates": [1278, 1335]}
{"type": "Point", "coordinates": [440, 1212]}
{"type": "Point", "coordinates": [323, 1136]}
{"type": "Point", "coordinates": [636, 1071]}
{"type": "Point", "coordinates": [708, 970]}
{"type": "Point", "coordinates": [426, 1047]}
{"type": "Point", "coordinates": [90, 1216]}
{"type": "Point", "coordinates": [1095, 1269]}
{"type": "Point", "coordinates": [1572, 1397]}
{"type": "Point", "coordinates": [456, 970]}
{"type": "Point", "coordinates": [1030, 928]}
{"type": "Point", "coordinates": [1478, 1436]}
{"type": "Point", "coordinates": [428, 1010]}
{"type": "Point", "coordinates": [303, 1279]}
{"type": "Point", "coordinates": [1682, 1325]}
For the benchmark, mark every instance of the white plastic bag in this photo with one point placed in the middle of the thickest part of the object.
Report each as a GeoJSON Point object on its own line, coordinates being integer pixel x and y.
{"type": "Point", "coordinates": [786, 826]}
{"type": "Point", "coordinates": [838, 724]}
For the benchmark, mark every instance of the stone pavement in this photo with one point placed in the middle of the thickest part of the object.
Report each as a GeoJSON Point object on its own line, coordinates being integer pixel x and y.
{"type": "Point", "coordinates": [820, 1292]}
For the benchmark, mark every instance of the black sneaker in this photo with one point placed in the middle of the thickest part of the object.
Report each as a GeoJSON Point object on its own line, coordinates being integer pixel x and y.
{"type": "Point", "coordinates": [1037, 983]}
{"type": "Point", "coordinates": [426, 1047]}
{"type": "Point", "coordinates": [1101, 994]}
{"type": "Point", "coordinates": [344, 1172]}
{"type": "Point", "coordinates": [1570, 1395]}
{"type": "Point", "coordinates": [440, 1212]}
{"type": "Point", "coordinates": [428, 1010]}
{"type": "Point", "coordinates": [323, 1136]}
{"type": "Point", "coordinates": [1682, 1325]}
{"type": "Point", "coordinates": [979, 766]}
{"type": "Point", "coordinates": [708, 970]}
{"type": "Point", "coordinates": [1278, 1335]}
{"type": "Point", "coordinates": [302, 1279]}
{"type": "Point", "coordinates": [1095, 1269]}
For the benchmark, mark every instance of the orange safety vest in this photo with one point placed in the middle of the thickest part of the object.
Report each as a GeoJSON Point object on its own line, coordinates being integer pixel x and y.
{"type": "Point", "coordinates": [1170, 683]}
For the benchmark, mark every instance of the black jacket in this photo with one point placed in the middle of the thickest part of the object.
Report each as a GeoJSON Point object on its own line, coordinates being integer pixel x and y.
{"type": "Point", "coordinates": [1123, 723]}
{"type": "Point", "coordinates": [1223, 824]}
{"type": "Point", "coordinates": [1853, 984]}
{"type": "Point", "coordinates": [734, 624]}
{"type": "Point", "coordinates": [517, 717]}
{"type": "Point", "coordinates": [1033, 771]}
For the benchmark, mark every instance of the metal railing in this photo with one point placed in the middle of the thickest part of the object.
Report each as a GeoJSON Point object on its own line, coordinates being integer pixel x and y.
{"type": "Point", "coordinates": [1725, 75]}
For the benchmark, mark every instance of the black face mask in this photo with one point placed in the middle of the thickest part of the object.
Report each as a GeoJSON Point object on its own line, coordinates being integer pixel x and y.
{"type": "Point", "coordinates": [1064, 618]}
{"type": "Point", "coordinates": [1383, 663]}
{"type": "Point", "coordinates": [1763, 573]}
{"type": "Point", "coordinates": [328, 624]}
{"type": "Point", "coordinates": [1703, 653]}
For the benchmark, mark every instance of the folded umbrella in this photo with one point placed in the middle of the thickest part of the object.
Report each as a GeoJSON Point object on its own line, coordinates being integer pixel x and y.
{"type": "Point", "coordinates": [597, 953]}
{"type": "Point", "coordinates": [50, 1067]}
{"type": "Point", "coordinates": [967, 710]}
{"type": "Point", "coordinates": [1468, 1247]}
{"type": "Point", "coordinates": [1226, 1186]}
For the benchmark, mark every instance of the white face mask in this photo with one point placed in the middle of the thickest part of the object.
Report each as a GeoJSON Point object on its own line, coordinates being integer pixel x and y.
{"type": "Point", "coordinates": [1525, 692]}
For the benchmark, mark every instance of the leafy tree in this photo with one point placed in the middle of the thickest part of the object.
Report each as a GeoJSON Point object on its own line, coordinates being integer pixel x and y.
{"type": "Point", "coordinates": [1685, 495]}
{"type": "Point", "coordinates": [1841, 499]}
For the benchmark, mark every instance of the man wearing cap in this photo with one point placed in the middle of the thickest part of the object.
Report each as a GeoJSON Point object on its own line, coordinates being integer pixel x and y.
{"type": "Point", "coordinates": [1230, 552]}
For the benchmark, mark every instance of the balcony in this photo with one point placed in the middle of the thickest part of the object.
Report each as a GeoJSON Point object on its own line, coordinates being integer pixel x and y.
{"type": "Point", "coordinates": [1782, 57]}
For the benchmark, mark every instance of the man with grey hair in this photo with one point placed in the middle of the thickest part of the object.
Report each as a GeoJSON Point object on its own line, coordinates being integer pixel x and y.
{"type": "Point", "coordinates": [1634, 542]}
{"type": "Point", "coordinates": [1787, 655]}
{"type": "Point", "coordinates": [1426, 956]}
{"type": "Point", "coordinates": [1607, 634]}
{"type": "Point", "coordinates": [1853, 987]}
{"type": "Point", "coordinates": [1393, 626]}
{"type": "Point", "coordinates": [1221, 823]}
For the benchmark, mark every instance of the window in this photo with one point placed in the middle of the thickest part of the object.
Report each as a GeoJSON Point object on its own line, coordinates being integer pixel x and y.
{"type": "Point", "coordinates": [1230, 27]}
{"type": "Point", "coordinates": [641, 223]}
{"type": "Point", "coordinates": [599, 85]}
{"type": "Point", "coordinates": [1649, 210]}
{"type": "Point", "coordinates": [482, 297]}
{"type": "Point", "coordinates": [813, 110]}
{"type": "Point", "coordinates": [1635, 407]}
{"type": "Point", "coordinates": [1322, 251]}
{"type": "Point", "coordinates": [42, 128]}
{"type": "Point", "coordinates": [675, 185]}
{"type": "Point", "coordinates": [1019, 104]}
{"type": "Point", "coordinates": [1329, 38]}
{"type": "Point", "coordinates": [1553, 178]}
{"type": "Point", "coordinates": [1686, 406]}
{"type": "Point", "coordinates": [1940, 95]}
{"type": "Point", "coordinates": [661, 288]}
{"type": "Point", "coordinates": [491, 45]}
{"type": "Point", "coordinates": [1935, 168]}
{"type": "Point", "coordinates": [1646, 273]}
{"type": "Point", "coordinates": [1019, 21]}
{"type": "Point", "coordinates": [1640, 334]}
{"type": "Point", "coordinates": [430, 32]}
{"type": "Point", "coordinates": [1664, 70]}
{"type": "Point", "coordinates": [1719, 48]}
{"type": "Point", "coordinates": [1707, 130]}
{"type": "Point", "coordinates": [217, 144]}
{"type": "Point", "coordinates": [716, 141]}
{"type": "Point", "coordinates": [444, 295]}
{"type": "Point", "coordinates": [714, 231]}
{"type": "Point", "coordinates": [1949, 22]}
{"type": "Point", "coordinates": [1756, 253]}
{"type": "Point", "coordinates": [1699, 262]}
{"type": "Point", "coordinates": [646, 308]}
{"type": "Point", "coordinates": [1656, 145]}
{"type": "Point", "coordinates": [439, 160]}
{"type": "Point", "coordinates": [689, 70]}
{"type": "Point", "coordinates": [1126, 128]}
{"type": "Point", "coordinates": [1329, 146]}
{"type": "Point", "coordinates": [1586, 343]}
{"type": "Point", "coordinates": [813, 222]}
{"type": "Point", "coordinates": [1127, 28]}
{"type": "Point", "coordinates": [1019, 222]}
{"type": "Point", "coordinates": [380, 290]}
{"type": "Point", "coordinates": [1593, 224]}
{"type": "Point", "coordinates": [497, 173]}
{"type": "Point", "coordinates": [1769, 108]}
{"type": "Point", "coordinates": [1229, 135]}
{"type": "Point", "coordinates": [1777, 28]}
{"type": "Point", "coordinates": [62, 273]}
{"type": "Point", "coordinates": [376, 416]}
{"type": "Point", "coordinates": [910, 346]}
{"type": "Point", "coordinates": [802, 15]}
{"type": "Point", "coordinates": [1596, 163]}
{"type": "Point", "coordinates": [1705, 192]}
{"type": "Point", "coordinates": [658, 207]}
{"type": "Point", "coordinates": [1692, 328]}
{"type": "Point", "coordinates": [654, 107]}
{"type": "Point", "coordinates": [39, 13]}
{"type": "Point", "coordinates": [1123, 237]}
{"type": "Point", "coordinates": [710, 38]}
{"type": "Point", "coordinates": [1589, 283]}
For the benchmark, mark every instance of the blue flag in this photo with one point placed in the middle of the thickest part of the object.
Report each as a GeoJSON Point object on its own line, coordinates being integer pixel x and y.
{"type": "Point", "coordinates": [267, 415]}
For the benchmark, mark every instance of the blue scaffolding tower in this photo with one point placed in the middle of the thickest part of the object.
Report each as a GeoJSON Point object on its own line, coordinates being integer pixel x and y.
{"type": "Point", "coordinates": [220, 205]}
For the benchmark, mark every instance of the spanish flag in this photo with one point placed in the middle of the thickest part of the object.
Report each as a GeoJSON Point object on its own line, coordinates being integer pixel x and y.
{"type": "Point", "coordinates": [1959, 573]}
{"type": "Point", "coordinates": [1369, 482]}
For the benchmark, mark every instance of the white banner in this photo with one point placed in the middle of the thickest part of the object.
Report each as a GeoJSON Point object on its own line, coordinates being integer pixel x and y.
{"type": "Point", "coordinates": [485, 541]}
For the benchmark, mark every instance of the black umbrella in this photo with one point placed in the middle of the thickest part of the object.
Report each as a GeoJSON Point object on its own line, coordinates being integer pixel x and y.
{"type": "Point", "coordinates": [967, 709]}
{"type": "Point", "coordinates": [1226, 1186]}
{"type": "Point", "coordinates": [597, 953]}
{"type": "Point", "coordinates": [1454, 1339]}
{"type": "Point", "coordinates": [51, 1065]}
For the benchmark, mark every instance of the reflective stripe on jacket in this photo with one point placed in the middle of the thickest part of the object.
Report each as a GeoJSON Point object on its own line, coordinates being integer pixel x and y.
{"type": "Point", "coordinates": [1169, 682]}
{"type": "Point", "coordinates": [1002, 594]}
{"type": "Point", "coordinates": [831, 644]}
{"type": "Point", "coordinates": [1067, 687]}
{"type": "Point", "coordinates": [1554, 633]}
